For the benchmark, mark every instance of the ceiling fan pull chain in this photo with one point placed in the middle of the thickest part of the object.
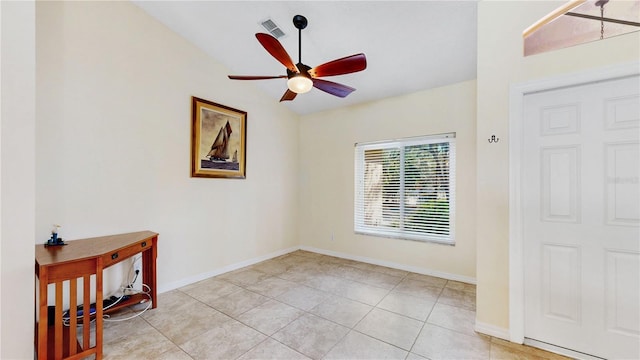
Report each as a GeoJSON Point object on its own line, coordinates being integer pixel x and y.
{"type": "Point", "coordinates": [601, 22]}
{"type": "Point", "coordinates": [601, 3]}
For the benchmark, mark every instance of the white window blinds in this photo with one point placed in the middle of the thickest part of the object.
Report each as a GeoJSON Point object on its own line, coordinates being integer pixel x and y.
{"type": "Point", "coordinates": [406, 188]}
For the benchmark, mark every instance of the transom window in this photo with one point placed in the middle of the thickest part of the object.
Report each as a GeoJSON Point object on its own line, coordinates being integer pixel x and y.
{"type": "Point", "coordinates": [406, 188]}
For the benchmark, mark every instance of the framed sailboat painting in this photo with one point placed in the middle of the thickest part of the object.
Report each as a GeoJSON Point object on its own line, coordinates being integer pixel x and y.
{"type": "Point", "coordinates": [218, 140]}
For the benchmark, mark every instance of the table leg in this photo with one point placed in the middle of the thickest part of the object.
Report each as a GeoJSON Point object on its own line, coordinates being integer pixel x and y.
{"type": "Point", "coordinates": [43, 322]}
{"type": "Point", "coordinates": [149, 270]}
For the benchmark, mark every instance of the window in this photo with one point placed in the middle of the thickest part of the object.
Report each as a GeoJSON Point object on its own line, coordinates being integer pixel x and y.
{"type": "Point", "coordinates": [406, 188]}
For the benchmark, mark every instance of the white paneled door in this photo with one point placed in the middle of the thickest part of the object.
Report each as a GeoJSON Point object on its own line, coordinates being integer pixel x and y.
{"type": "Point", "coordinates": [581, 208]}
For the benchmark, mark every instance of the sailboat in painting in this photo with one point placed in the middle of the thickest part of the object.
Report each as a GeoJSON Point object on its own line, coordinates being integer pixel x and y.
{"type": "Point", "coordinates": [219, 152]}
{"type": "Point", "coordinates": [219, 148]}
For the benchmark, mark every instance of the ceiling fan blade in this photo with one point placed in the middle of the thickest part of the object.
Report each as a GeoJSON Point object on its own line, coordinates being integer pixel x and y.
{"type": "Point", "coordinates": [273, 46]}
{"type": "Point", "coordinates": [250, 77]}
{"type": "Point", "coordinates": [288, 96]}
{"type": "Point", "coordinates": [332, 87]}
{"type": "Point", "coordinates": [345, 65]}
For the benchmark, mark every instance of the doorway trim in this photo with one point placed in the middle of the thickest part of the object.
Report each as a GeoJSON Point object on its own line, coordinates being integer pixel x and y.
{"type": "Point", "coordinates": [517, 92]}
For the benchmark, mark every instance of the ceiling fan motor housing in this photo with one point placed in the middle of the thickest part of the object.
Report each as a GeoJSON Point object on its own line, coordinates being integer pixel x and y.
{"type": "Point", "coordinates": [304, 70]}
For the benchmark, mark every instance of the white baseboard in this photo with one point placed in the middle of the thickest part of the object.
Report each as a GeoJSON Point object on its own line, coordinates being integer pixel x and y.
{"type": "Point", "coordinates": [492, 330]}
{"type": "Point", "coordinates": [415, 269]}
{"type": "Point", "coordinates": [193, 279]}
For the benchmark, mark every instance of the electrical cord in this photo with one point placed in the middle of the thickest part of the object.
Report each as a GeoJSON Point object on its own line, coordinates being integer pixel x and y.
{"type": "Point", "coordinates": [107, 317]}
{"type": "Point", "coordinates": [132, 273]}
{"type": "Point", "coordinates": [127, 290]}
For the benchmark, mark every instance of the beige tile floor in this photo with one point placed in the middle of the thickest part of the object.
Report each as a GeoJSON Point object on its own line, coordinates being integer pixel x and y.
{"type": "Point", "coordinates": [305, 305]}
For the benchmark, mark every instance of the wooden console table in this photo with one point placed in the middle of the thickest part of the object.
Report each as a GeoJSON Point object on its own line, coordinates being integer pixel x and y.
{"type": "Point", "coordinates": [75, 262]}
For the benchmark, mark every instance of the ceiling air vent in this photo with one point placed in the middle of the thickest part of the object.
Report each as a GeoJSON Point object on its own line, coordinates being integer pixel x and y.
{"type": "Point", "coordinates": [272, 28]}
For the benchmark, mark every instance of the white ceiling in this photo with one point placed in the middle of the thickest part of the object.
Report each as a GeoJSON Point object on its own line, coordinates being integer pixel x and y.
{"type": "Point", "coordinates": [410, 45]}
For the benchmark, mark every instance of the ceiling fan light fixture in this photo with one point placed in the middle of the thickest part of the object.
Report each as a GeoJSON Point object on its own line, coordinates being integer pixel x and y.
{"type": "Point", "coordinates": [299, 84]}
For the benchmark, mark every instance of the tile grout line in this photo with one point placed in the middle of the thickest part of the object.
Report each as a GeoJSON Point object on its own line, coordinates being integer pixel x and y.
{"type": "Point", "coordinates": [243, 286]}
{"type": "Point", "coordinates": [328, 294]}
{"type": "Point", "coordinates": [165, 336]}
{"type": "Point", "coordinates": [267, 336]}
{"type": "Point", "coordinates": [358, 276]}
{"type": "Point", "coordinates": [427, 318]}
{"type": "Point", "coordinates": [353, 328]}
{"type": "Point", "coordinates": [350, 329]}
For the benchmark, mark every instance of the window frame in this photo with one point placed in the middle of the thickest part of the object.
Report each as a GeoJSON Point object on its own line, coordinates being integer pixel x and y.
{"type": "Point", "coordinates": [401, 232]}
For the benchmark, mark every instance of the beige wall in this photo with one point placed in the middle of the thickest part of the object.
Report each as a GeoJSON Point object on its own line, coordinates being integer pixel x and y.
{"type": "Point", "coordinates": [112, 139]}
{"type": "Point", "coordinates": [113, 143]}
{"type": "Point", "coordinates": [17, 150]}
{"type": "Point", "coordinates": [501, 64]}
{"type": "Point", "coordinates": [327, 176]}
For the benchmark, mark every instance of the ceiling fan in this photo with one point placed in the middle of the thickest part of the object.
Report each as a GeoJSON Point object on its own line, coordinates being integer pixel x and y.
{"type": "Point", "coordinates": [302, 77]}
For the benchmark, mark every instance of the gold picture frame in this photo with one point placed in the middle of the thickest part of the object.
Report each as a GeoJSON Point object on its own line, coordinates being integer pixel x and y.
{"type": "Point", "coordinates": [218, 140]}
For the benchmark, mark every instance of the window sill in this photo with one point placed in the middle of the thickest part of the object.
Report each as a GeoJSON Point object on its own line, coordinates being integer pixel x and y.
{"type": "Point", "coordinates": [407, 237]}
